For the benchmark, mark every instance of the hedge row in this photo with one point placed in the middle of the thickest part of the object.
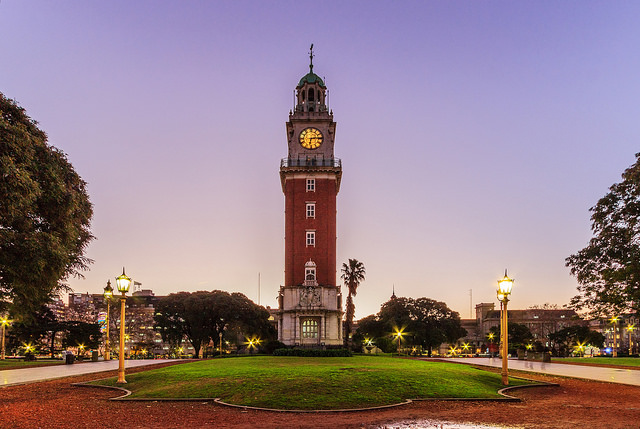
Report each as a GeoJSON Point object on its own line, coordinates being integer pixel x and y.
{"type": "Point", "coordinates": [313, 352]}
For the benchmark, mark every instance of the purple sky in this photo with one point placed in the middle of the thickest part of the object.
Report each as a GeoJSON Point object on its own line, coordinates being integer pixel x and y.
{"type": "Point", "coordinates": [474, 135]}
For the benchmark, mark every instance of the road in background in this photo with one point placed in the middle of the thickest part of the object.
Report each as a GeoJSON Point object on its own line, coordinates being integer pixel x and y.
{"type": "Point", "coordinates": [611, 375]}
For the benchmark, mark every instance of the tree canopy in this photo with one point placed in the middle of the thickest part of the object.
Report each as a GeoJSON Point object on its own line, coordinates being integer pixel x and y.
{"type": "Point", "coordinates": [519, 335]}
{"type": "Point", "coordinates": [45, 215]}
{"type": "Point", "coordinates": [202, 316]}
{"type": "Point", "coordinates": [567, 339]}
{"type": "Point", "coordinates": [41, 330]}
{"type": "Point", "coordinates": [429, 323]}
{"type": "Point", "coordinates": [608, 268]}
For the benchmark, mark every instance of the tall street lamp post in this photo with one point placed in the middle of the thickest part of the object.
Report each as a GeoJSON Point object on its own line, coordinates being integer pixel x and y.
{"type": "Point", "coordinates": [123, 283]}
{"type": "Point", "coordinates": [108, 294]}
{"type": "Point", "coordinates": [4, 322]}
{"type": "Point", "coordinates": [504, 289]}
{"type": "Point", "coordinates": [614, 349]}
{"type": "Point", "coordinates": [632, 344]}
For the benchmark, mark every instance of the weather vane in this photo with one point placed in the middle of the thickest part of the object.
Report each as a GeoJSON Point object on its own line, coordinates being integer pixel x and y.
{"type": "Point", "coordinates": [311, 59]}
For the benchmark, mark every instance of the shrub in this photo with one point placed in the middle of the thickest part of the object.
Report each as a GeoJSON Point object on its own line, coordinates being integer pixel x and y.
{"type": "Point", "coordinates": [313, 352]}
{"type": "Point", "coordinates": [271, 346]}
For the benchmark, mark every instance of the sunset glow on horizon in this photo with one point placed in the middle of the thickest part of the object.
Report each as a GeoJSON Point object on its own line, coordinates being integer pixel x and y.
{"type": "Point", "coordinates": [473, 136]}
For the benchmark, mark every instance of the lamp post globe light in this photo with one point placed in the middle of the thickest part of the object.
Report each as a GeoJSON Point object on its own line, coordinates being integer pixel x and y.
{"type": "Point", "coordinates": [122, 282]}
{"type": "Point", "coordinates": [504, 290]}
{"type": "Point", "coordinates": [108, 294]}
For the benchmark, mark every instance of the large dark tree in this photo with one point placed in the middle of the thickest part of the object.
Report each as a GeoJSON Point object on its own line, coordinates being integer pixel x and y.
{"type": "Point", "coordinates": [42, 328]}
{"type": "Point", "coordinates": [428, 322]}
{"type": "Point", "coordinates": [566, 339]}
{"type": "Point", "coordinates": [202, 316]}
{"type": "Point", "coordinates": [353, 274]}
{"type": "Point", "coordinates": [608, 269]}
{"type": "Point", "coordinates": [433, 323]}
{"type": "Point", "coordinates": [38, 329]}
{"type": "Point", "coordinates": [84, 334]}
{"type": "Point", "coordinates": [45, 215]}
{"type": "Point", "coordinates": [519, 335]}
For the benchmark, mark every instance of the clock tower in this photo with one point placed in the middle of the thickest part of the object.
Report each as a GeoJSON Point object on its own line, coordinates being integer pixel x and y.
{"type": "Point", "coordinates": [310, 302]}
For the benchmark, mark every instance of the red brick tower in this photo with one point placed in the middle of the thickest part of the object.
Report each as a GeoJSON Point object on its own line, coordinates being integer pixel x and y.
{"type": "Point", "coordinates": [310, 306]}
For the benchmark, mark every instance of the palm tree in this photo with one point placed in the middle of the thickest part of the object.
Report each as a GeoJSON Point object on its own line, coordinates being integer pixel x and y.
{"type": "Point", "coordinates": [352, 274]}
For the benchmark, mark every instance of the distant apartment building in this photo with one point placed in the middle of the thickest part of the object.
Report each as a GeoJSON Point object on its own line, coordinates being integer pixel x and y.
{"type": "Point", "coordinates": [620, 333]}
{"type": "Point", "coordinates": [140, 337]}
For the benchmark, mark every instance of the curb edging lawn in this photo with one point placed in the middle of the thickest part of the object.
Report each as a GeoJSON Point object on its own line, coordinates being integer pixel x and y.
{"type": "Point", "coordinates": [505, 398]}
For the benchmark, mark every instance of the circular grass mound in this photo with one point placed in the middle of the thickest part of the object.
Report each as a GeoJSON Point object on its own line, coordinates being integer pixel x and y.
{"type": "Point", "coordinates": [295, 383]}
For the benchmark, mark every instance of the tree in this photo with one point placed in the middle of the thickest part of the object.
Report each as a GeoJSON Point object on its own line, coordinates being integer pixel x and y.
{"type": "Point", "coordinates": [353, 274]}
{"type": "Point", "coordinates": [567, 338]}
{"type": "Point", "coordinates": [433, 323]}
{"type": "Point", "coordinates": [608, 269]}
{"type": "Point", "coordinates": [33, 331]}
{"type": "Point", "coordinates": [429, 322]}
{"type": "Point", "coordinates": [394, 314]}
{"type": "Point", "coordinates": [48, 323]}
{"type": "Point", "coordinates": [168, 319]}
{"type": "Point", "coordinates": [519, 335]}
{"type": "Point", "coordinates": [45, 215]}
{"type": "Point", "coordinates": [83, 334]}
{"type": "Point", "coordinates": [202, 316]}
{"type": "Point", "coordinates": [41, 328]}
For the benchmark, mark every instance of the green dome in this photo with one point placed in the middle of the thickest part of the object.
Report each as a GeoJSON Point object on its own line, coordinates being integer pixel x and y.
{"type": "Point", "coordinates": [311, 78]}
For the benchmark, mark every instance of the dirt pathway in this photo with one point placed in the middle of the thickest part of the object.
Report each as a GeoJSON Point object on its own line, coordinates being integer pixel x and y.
{"type": "Point", "coordinates": [575, 403]}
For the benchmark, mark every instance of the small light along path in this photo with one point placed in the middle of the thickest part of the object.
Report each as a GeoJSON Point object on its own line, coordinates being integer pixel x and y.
{"type": "Point", "coordinates": [610, 375]}
{"type": "Point", "coordinates": [10, 377]}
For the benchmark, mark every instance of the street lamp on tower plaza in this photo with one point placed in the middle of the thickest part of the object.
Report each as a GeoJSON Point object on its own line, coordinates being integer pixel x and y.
{"type": "Point", "coordinates": [504, 290]}
{"type": "Point", "coordinates": [614, 347]}
{"type": "Point", "coordinates": [123, 283]}
{"type": "Point", "coordinates": [108, 294]}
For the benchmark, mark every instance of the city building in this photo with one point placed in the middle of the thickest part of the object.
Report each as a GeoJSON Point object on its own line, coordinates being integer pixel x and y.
{"type": "Point", "coordinates": [620, 332]}
{"type": "Point", "coordinates": [310, 301]}
{"type": "Point", "coordinates": [140, 337]}
{"type": "Point", "coordinates": [540, 321]}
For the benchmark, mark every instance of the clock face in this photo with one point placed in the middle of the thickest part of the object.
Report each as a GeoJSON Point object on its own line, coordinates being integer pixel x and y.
{"type": "Point", "coordinates": [311, 138]}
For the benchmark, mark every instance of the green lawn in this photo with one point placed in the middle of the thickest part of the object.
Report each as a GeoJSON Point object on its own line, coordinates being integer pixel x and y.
{"type": "Point", "coordinates": [314, 383]}
{"type": "Point", "coordinates": [19, 363]}
{"type": "Point", "coordinates": [621, 361]}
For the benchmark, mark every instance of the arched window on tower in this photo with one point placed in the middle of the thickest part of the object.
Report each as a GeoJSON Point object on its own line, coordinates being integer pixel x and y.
{"type": "Point", "coordinates": [311, 95]}
{"type": "Point", "coordinates": [310, 274]}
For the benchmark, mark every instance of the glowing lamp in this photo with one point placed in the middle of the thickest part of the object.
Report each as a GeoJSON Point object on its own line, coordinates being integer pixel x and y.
{"type": "Point", "coordinates": [504, 289]}
{"type": "Point", "coordinates": [123, 282]}
{"type": "Point", "coordinates": [504, 285]}
{"type": "Point", "coordinates": [108, 290]}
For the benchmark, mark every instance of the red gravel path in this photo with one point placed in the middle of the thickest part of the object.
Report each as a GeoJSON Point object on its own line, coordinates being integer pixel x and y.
{"type": "Point", "coordinates": [574, 404]}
